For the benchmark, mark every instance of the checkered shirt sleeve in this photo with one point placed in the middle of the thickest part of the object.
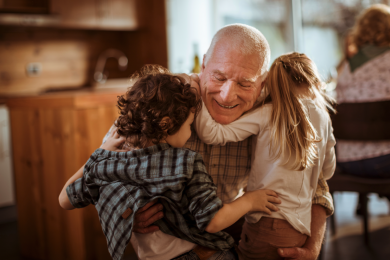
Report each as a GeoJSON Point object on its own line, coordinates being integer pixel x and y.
{"type": "Point", "coordinates": [322, 196]}
{"type": "Point", "coordinates": [201, 192]}
{"type": "Point", "coordinates": [78, 194]}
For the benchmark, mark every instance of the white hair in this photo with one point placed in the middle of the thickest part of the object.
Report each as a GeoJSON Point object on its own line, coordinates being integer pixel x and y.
{"type": "Point", "coordinates": [248, 40]}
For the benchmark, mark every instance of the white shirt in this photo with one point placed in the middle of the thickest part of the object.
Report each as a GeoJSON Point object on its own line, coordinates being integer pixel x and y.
{"type": "Point", "coordinates": [158, 245]}
{"type": "Point", "coordinates": [296, 189]}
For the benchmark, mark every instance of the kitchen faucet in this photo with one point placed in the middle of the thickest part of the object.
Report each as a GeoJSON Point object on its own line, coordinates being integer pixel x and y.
{"type": "Point", "coordinates": [99, 75]}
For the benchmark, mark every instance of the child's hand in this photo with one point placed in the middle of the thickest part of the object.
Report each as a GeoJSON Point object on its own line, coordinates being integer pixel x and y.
{"type": "Point", "coordinates": [262, 200]}
{"type": "Point", "coordinates": [114, 142]}
{"type": "Point", "coordinates": [192, 79]}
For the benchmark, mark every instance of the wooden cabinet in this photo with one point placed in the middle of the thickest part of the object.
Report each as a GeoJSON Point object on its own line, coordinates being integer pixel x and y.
{"type": "Point", "coordinates": [117, 15]}
{"type": "Point", "coordinates": [96, 14]}
{"type": "Point", "coordinates": [24, 6]}
{"type": "Point", "coordinates": [53, 135]}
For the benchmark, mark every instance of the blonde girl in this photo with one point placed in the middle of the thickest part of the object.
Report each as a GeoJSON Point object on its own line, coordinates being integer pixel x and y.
{"type": "Point", "coordinates": [294, 144]}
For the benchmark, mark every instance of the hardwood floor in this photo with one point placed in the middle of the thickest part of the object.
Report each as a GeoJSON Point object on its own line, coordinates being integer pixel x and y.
{"type": "Point", "coordinates": [346, 244]}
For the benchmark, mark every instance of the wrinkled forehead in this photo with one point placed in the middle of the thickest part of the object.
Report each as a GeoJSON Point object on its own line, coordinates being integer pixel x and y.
{"type": "Point", "coordinates": [242, 68]}
{"type": "Point", "coordinates": [253, 50]}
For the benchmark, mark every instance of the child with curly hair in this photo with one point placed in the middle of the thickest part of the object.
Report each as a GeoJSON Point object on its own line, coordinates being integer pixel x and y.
{"type": "Point", "coordinates": [155, 121]}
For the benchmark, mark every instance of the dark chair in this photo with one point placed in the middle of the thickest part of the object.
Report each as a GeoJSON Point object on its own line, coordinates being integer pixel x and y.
{"type": "Point", "coordinates": [362, 122]}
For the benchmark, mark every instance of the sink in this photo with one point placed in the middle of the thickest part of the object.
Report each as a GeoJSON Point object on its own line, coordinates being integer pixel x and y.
{"type": "Point", "coordinates": [114, 83]}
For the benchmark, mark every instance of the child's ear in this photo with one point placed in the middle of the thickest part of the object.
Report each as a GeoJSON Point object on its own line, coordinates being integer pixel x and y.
{"type": "Point", "coordinates": [165, 122]}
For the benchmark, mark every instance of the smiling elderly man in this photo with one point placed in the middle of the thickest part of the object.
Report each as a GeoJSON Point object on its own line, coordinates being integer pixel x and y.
{"type": "Point", "coordinates": [231, 78]}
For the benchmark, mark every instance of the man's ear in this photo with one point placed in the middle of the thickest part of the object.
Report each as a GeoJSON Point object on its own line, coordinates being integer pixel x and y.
{"type": "Point", "coordinates": [203, 62]}
{"type": "Point", "coordinates": [165, 123]}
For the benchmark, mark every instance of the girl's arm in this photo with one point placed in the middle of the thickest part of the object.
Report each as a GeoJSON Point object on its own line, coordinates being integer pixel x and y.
{"type": "Point", "coordinates": [259, 200]}
{"type": "Point", "coordinates": [211, 132]}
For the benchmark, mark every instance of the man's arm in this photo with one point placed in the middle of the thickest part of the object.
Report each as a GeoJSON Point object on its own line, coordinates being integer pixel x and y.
{"type": "Point", "coordinates": [312, 247]}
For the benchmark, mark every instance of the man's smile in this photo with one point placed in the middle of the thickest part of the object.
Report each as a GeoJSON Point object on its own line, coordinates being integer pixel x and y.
{"type": "Point", "coordinates": [229, 107]}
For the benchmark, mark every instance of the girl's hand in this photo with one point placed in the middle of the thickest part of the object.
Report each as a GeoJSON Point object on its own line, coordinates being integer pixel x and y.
{"type": "Point", "coordinates": [114, 142]}
{"type": "Point", "coordinates": [263, 200]}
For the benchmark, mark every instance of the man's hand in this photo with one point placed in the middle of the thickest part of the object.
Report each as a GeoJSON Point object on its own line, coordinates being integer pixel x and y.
{"type": "Point", "coordinates": [312, 247]}
{"type": "Point", "coordinates": [296, 253]}
{"type": "Point", "coordinates": [146, 216]}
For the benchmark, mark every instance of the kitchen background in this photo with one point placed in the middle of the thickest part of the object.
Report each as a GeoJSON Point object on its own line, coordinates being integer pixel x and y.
{"type": "Point", "coordinates": [62, 65]}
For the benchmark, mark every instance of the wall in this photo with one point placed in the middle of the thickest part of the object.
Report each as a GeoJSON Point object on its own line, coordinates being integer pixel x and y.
{"type": "Point", "coordinates": [189, 22]}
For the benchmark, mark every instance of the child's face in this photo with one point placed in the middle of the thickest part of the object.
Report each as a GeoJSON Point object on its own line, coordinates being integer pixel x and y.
{"type": "Point", "coordinates": [180, 138]}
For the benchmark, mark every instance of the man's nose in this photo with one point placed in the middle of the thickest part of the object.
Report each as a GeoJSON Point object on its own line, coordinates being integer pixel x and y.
{"type": "Point", "coordinates": [228, 92]}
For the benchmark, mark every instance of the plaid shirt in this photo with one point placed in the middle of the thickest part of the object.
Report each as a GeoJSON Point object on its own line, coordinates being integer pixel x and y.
{"type": "Point", "coordinates": [118, 184]}
{"type": "Point", "coordinates": [229, 167]}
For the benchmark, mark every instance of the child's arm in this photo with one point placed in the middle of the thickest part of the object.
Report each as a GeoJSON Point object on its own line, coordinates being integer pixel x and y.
{"type": "Point", "coordinates": [112, 143]}
{"type": "Point", "coordinates": [63, 198]}
{"type": "Point", "coordinates": [209, 212]}
{"type": "Point", "coordinates": [211, 132]}
{"type": "Point", "coordinates": [259, 200]}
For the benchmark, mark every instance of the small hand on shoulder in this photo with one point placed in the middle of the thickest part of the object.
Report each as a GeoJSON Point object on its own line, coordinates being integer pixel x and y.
{"type": "Point", "coordinates": [114, 142]}
{"type": "Point", "coordinates": [192, 79]}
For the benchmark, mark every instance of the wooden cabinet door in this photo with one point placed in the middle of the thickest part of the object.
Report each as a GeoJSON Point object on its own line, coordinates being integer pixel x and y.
{"type": "Point", "coordinates": [116, 14]}
{"type": "Point", "coordinates": [75, 13]}
{"type": "Point", "coordinates": [96, 14]}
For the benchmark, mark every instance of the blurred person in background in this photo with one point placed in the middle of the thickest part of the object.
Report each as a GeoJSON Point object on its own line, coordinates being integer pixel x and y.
{"type": "Point", "coordinates": [365, 77]}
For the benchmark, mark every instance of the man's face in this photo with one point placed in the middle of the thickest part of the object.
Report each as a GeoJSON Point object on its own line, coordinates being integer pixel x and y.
{"type": "Point", "coordinates": [230, 83]}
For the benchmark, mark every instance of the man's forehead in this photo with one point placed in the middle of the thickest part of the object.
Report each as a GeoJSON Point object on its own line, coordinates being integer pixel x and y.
{"type": "Point", "coordinates": [241, 78]}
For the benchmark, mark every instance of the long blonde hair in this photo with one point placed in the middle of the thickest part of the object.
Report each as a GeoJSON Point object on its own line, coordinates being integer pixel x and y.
{"type": "Point", "coordinates": [291, 130]}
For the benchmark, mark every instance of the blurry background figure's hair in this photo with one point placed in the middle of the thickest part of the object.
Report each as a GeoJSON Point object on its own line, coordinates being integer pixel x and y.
{"type": "Point", "coordinates": [372, 27]}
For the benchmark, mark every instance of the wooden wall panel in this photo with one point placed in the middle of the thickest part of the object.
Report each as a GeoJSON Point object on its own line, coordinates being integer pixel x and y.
{"type": "Point", "coordinates": [91, 126]}
{"type": "Point", "coordinates": [27, 172]}
{"type": "Point", "coordinates": [49, 146]}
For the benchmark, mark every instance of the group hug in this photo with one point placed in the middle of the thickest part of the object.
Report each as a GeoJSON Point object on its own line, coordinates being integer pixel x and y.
{"type": "Point", "coordinates": [230, 163]}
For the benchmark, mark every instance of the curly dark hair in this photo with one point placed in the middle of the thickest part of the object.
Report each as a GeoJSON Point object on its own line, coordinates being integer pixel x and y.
{"type": "Point", "coordinates": [156, 94]}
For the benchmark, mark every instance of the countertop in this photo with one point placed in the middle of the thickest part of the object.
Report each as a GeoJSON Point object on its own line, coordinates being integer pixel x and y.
{"type": "Point", "coordinates": [80, 98]}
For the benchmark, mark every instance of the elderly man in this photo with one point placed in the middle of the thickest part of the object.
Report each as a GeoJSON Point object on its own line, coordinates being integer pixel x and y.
{"type": "Point", "coordinates": [231, 78]}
